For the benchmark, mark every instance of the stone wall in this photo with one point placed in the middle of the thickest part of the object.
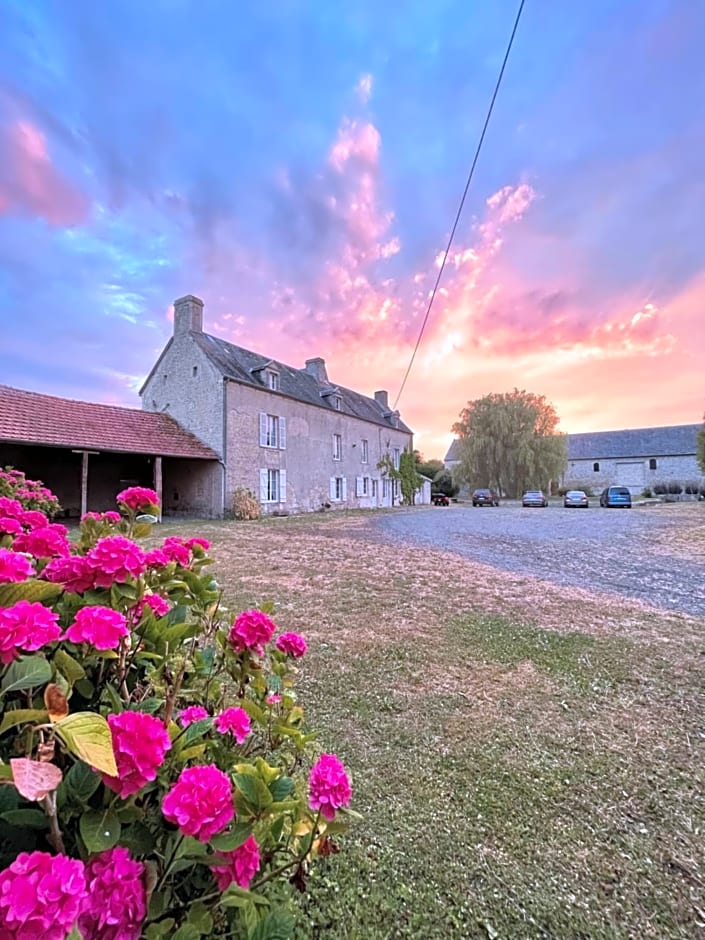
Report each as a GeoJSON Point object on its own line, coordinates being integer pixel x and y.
{"type": "Point", "coordinates": [632, 472]}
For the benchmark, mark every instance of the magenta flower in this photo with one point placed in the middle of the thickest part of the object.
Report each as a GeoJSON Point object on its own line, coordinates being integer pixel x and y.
{"type": "Point", "coordinates": [115, 559]}
{"type": "Point", "coordinates": [234, 720]}
{"type": "Point", "coordinates": [112, 517]}
{"type": "Point", "coordinates": [41, 895]}
{"type": "Point", "coordinates": [251, 629]}
{"type": "Point", "coordinates": [273, 699]}
{"type": "Point", "coordinates": [192, 713]}
{"type": "Point", "coordinates": [138, 497]}
{"type": "Point", "coordinates": [103, 627]}
{"type": "Point", "coordinates": [14, 567]}
{"type": "Point", "coordinates": [238, 866]}
{"type": "Point", "coordinates": [91, 517]}
{"type": "Point", "coordinates": [140, 743]}
{"type": "Point", "coordinates": [328, 785]}
{"type": "Point", "coordinates": [158, 604]}
{"type": "Point", "coordinates": [26, 626]}
{"type": "Point", "coordinates": [201, 802]}
{"type": "Point", "coordinates": [10, 526]}
{"type": "Point", "coordinates": [116, 904]}
{"type": "Point", "coordinates": [293, 644]}
{"type": "Point", "coordinates": [33, 519]}
{"type": "Point", "coordinates": [74, 572]}
{"type": "Point", "coordinates": [201, 543]}
{"type": "Point", "coordinates": [156, 558]}
{"type": "Point", "coordinates": [10, 507]}
{"type": "Point", "coordinates": [47, 542]}
{"type": "Point", "coordinates": [176, 550]}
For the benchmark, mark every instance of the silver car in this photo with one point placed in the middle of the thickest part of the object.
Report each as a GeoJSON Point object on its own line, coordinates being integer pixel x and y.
{"type": "Point", "coordinates": [576, 499]}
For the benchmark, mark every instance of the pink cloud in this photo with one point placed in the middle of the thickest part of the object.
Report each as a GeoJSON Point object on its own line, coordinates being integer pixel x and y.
{"type": "Point", "coordinates": [29, 182]}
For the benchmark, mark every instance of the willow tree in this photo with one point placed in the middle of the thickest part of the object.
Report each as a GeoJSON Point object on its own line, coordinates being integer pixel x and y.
{"type": "Point", "coordinates": [510, 441]}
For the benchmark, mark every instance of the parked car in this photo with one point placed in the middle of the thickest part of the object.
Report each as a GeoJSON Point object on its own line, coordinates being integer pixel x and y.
{"type": "Point", "coordinates": [576, 499]}
{"type": "Point", "coordinates": [616, 497]}
{"type": "Point", "coordinates": [440, 499]}
{"type": "Point", "coordinates": [534, 498]}
{"type": "Point", "coordinates": [485, 497]}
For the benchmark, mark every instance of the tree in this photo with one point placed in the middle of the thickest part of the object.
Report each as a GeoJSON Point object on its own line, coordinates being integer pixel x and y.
{"type": "Point", "coordinates": [409, 479]}
{"type": "Point", "coordinates": [443, 483]}
{"type": "Point", "coordinates": [510, 442]}
{"type": "Point", "coordinates": [701, 447]}
{"type": "Point", "coordinates": [429, 468]}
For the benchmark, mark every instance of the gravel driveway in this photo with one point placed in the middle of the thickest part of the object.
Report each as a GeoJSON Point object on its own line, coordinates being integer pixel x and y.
{"type": "Point", "coordinates": [638, 553]}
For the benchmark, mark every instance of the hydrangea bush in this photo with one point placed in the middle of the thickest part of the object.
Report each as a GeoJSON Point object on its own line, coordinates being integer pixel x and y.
{"type": "Point", "coordinates": [158, 779]}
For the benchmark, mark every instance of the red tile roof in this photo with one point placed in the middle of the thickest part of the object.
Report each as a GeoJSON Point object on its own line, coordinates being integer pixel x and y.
{"type": "Point", "coordinates": [31, 418]}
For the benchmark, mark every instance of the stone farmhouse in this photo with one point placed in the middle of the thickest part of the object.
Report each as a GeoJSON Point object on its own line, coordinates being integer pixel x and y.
{"type": "Point", "coordinates": [636, 457]}
{"type": "Point", "coordinates": [291, 436]}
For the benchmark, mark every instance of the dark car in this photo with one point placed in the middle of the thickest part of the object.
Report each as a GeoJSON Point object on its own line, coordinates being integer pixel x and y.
{"type": "Point", "coordinates": [576, 499]}
{"type": "Point", "coordinates": [485, 497]}
{"type": "Point", "coordinates": [534, 498]}
{"type": "Point", "coordinates": [616, 497]}
{"type": "Point", "coordinates": [440, 499]}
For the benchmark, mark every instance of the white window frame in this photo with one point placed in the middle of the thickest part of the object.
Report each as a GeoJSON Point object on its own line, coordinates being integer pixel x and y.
{"type": "Point", "coordinates": [375, 483]}
{"type": "Point", "coordinates": [338, 489]}
{"type": "Point", "coordinates": [337, 447]}
{"type": "Point", "coordinates": [365, 451]}
{"type": "Point", "coordinates": [365, 486]}
{"type": "Point", "coordinates": [272, 379]}
{"type": "Point", "coordinates": [272, 485]}
{"type": "Point", "coordinates": [272, 431]}
{"type": "Point", "coordinates": [396, 457]}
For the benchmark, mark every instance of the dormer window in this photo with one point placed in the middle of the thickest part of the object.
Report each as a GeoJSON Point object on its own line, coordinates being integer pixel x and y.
{"type": "Point", "coordinates": [333, 397]}
{"type": "Point", "coordinates": [337, 402]}
{"type": "Point", "coordinates": [271, 379]}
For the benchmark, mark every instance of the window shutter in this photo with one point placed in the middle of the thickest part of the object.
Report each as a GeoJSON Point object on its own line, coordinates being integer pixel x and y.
{"type": "Point", "coordinates": [358, 486]}
{"type": "Point", "coordinates": [331, 488]}
{"type": "Point", "coordinates": [262, 432]}
{"type": "Point", "coordinates": [345, 488]}
{"type": "Point", "coordinates": [282, 434]}
{"type": "Point", "coordinates": [263, 486]}
{"type": "Point", "coordinates": [282, 485]}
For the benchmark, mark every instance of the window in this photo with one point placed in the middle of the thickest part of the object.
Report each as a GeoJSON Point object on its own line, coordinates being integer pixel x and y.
{"type": "Point", "coordinates": [338, 489]}
{"type": "Point", "coordinates": [194, 371]}
{"type": "Point", "coordinates": [272, 431]}
{"type": "Point", "coordinates": [397, 454]}
{"type": "Point", "coordinates": [385, 488]}
{"type": "Point", "coordinates": [365, 486]}
{"type": "Point", "coordinates": [272, 380]}
{"type": "Point", "coordinates": [596, 467]}
{"type": "Point", "coordinates": [272, 486]}
{"type": "Point", "coordinates": [337, 447]}
{"type": "Point", "coordinates": [652, 464]}
{"type": "Point", "coordinates": [365, 452]}
{"type": "Point", "coordinates": [337, 402]}
{"type": "Point", "coordinates": [374, 489]}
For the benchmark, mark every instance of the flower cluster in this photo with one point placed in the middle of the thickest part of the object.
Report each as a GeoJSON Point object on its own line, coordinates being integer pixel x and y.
{"type": "Point", "coordinates": [250, 631]}
{"type": "Point", "coordinates": [101, 626]}
{"type": "Point", "coordinates": [41, 896]}
{"type": "Point", "coordinates": [115, 559]}
{"type": "Point", "coordinates": [117, 903]}
{"type": "Point", "coordinates": [33, 494]}
{"type": "Point", "coordinates": [140, 743]}
{"type": "Point", "coordinates": [293, 644]}
{"type": "Point", "coordinates": [26, 626]}
{"type": "Point", "coordinates": [192, 713]}
{"type": "Point", "coordinates": [47, 542]}
{"type": "Point", "coordinates": [201, 802]}
{"type": "Point", "coordinates": [14, 567]}
{"type": "Point", "coordinates": [329, 787]}
{"type": "Point", "coordinates": [234, 720]}
{"type": "Point", "coordinates": [239, 866]}
{"type": "Point", "coordinates": [111, 517]}
{"type": "Point", "coordinates": [75, 573]}
{"type": "Point", "coordinates": [138, 498]}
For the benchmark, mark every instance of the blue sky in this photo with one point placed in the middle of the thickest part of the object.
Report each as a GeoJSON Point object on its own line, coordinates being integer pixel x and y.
{"type": "Point", "coordinates": [298, 166]}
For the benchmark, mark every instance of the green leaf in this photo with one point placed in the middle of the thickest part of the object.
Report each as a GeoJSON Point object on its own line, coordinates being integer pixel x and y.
{"type": "Point", "coordinates": [87, 735]}
{"type": "Point", "coordinates": [254, 790]}
{"type": "Point", "coordinates": [75, 934]}
{"type": "Point", "coordinates": [187, 932]}
{"type": "Point", "coordinates": [21, 716]}
{"type": "Point", "coordinates": [27, 672]}
{"type": "Point", "coordinates": [113, 700]}
{"type": "Point", "coordinates": [100, 830]}
{"type": "Point", "coordinates": [31, 590]}
{"type": "Point", "coordinates": [148, 706]}
{"type": "Point", "coordinates": [277, 925]}
{"type": "Point", "coordinates": [281, 788]}
{"type": "Point", "coordinates": [200, 917]}
{"type": "Point", "coordinates": [254, 711]}
{"type": "Point", "coordinates": [81, 782]}
{"type": "Point", "coordinates": [142, 530]}
{"type": "Point", "coordinates": [235, 896]}
{"type": "Point", "coordinates": [138, 839]}
{"type": "Point", "coordinates": [195, 730]}
{"type": "Point", "coordinates": [85, 688]}
{"type": "Point", "coordinates": [227, 841]}
{"type": "Point", "coordinates": [68, 666]}
{"type": "Point", "coordinates": [162, 929]}
{"type": "Point", "coordinates": [29, 818]}
{"type": "Point", "coordinates": [9, 799]}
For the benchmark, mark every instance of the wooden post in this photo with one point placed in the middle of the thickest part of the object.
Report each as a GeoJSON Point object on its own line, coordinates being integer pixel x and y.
{"type": "Point", "coordinates": [158, 482]}
{"type": "Point", "coordinates": [84, 482]}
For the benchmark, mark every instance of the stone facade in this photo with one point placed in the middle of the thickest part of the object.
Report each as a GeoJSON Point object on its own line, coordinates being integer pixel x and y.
{"type": "Point", "coordinates": [291, 436]}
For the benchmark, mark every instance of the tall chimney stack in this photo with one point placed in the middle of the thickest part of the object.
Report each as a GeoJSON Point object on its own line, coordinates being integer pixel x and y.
{"type": "Point", "coordinates": [317, 368]}
{"type": "Point", "coordinates": [188, 315]}
{"type": "Point", "coordinates": [382, 398]}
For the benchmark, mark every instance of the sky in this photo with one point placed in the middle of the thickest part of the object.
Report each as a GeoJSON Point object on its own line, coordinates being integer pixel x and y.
{"type": "Point", "coordinates": [298, 165]}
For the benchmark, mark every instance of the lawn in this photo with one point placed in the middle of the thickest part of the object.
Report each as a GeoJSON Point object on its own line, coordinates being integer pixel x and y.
{"type": "Point", "coordinates": [528, 764]}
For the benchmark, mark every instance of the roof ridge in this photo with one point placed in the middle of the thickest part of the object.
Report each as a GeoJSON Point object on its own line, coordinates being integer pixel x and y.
{"type": "Point", "coordinates": [61, 398]}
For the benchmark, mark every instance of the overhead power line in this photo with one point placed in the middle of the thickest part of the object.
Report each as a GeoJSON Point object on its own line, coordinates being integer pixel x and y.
{"type": "Point", "coordinates": [462, 201]}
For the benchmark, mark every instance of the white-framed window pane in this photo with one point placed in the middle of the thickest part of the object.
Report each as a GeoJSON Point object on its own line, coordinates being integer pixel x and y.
{"type": "Point", "coordinates": [365, 451]}
{"type": "Point", "coordinates": [337, 447]}
{"type": "Point", "coordinates": [365, 486]}
{"type": "Point", "coordinates": [397, 454]}
{"type": "Point", "coordinates": [272, 431]}
{"type": "Point", "coordinates": [272, 486]}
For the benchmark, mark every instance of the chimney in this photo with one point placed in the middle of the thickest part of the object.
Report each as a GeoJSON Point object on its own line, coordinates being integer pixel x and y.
{"type": "Point", "coordinates": [382, 399]}
{"type": "Point", "coordinates": [317, 368]}
{"type": "Point", "coordinates": [188, 315]}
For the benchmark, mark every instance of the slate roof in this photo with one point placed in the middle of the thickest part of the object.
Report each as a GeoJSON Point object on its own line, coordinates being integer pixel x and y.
{"type": "Point", "coordinates": [675, 441]}
{"type": "Point", "coordinates": [234, 362]}
{"type": "Point", "coordinates": [33, 418]}
{"type": "Point", "coordinates": [453, 452]}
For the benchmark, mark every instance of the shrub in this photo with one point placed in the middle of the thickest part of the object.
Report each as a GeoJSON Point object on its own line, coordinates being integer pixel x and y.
{"type": "Point", "coordinates": [646, 492]}
{"type": "Point", "coordinates": [245, 504]}
{"type": "Point", "coordinates": [675, 489]}
{"type": "Point", "coordinates": [660, 489]}
{"type": "Point", "coordinates": [32, 494]}
{"type": "Point", "coordinates": [692, 487]}
{"type": "Point", "coordinates": [153, 749]}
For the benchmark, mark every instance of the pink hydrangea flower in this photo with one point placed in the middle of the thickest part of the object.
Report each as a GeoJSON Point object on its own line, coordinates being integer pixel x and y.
{"type": "Point", "coordinates": [273, 699]}
{"type": "Point", "coordinates": [176, 550]}
{"type": "Point", "coordinates": [10, 526]}
{"type": "Point", "coordinates": [156, 558]}
{"type": "Point", "coordinates": [137, 497]}
{"type": "Point", "coordinates": [33, 519]}
{"type": "Point", "coordinates": [116, 904]}
{"type": "Point", "coordinates": [140, 743]}
{"type": "Point", "coordinates": [102, 627]}
{"type": "Point", "coordinates": [328, 786]}
{"type": "Point", "coordinates": [201, 802]}
{"type": "Point", "coordinates": [75, 573]}
{"type": "Point", "coordinates": [201, 543]}
{"type": "Point", "coordinates": [251, 630]}
{"type": "Point", "coordinates": [158, 604]}
{"type": "Point", "coordinates": [14, 567]}
{"type": "Point", "coordinates": [41, 895]}
{"type": "Point", "coordinates": [293, 644]}
{"type": "Point", "coordinates": [115, 559]}
{"type": "Point", "coordinates": [112, 517]}
{"type": "Point", "coordinates": [191, 713]}
{"type": "Point", "coordinates": [238, 866]}
{"type": "Point", "coordinates": [91, 517]}
{"type": "Point", "coordinates": [28, 626]}
{"type": "Point", "coordinates": [47, 542]}
{"type": "Point", "coordinates": [234, 720]}
{"type": "Point", "coordinates": [10, 507]}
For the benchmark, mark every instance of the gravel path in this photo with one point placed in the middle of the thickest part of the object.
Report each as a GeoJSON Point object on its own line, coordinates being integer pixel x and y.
{"type": "Point", "coordinates": [638, 553]}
